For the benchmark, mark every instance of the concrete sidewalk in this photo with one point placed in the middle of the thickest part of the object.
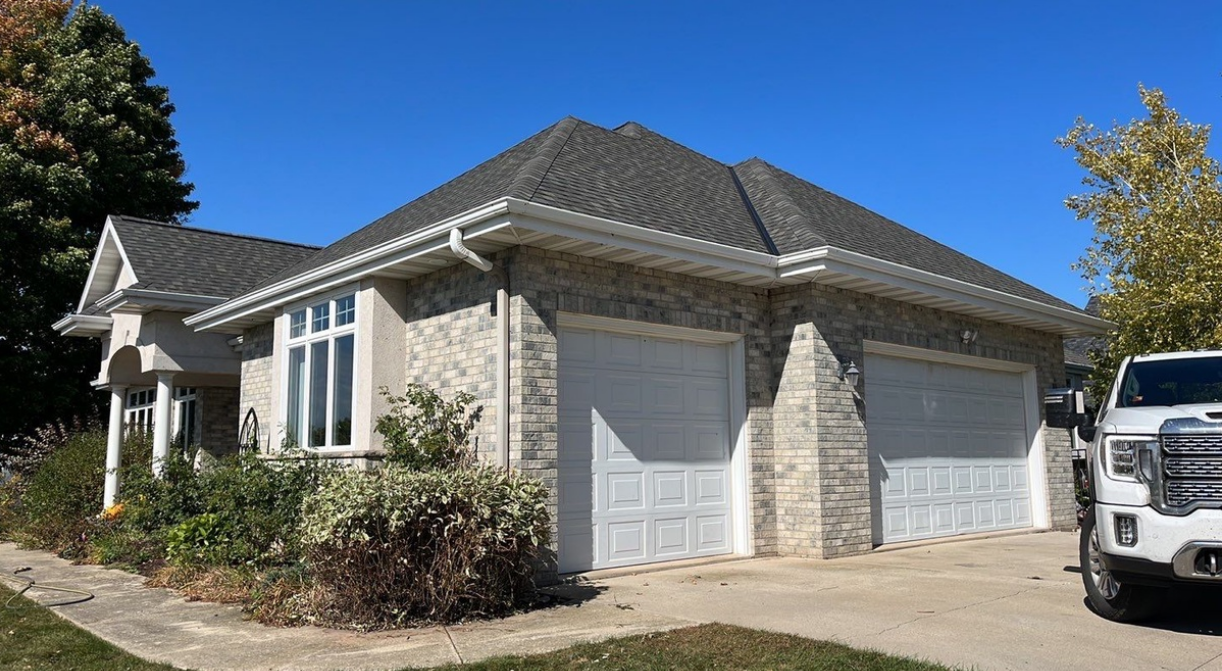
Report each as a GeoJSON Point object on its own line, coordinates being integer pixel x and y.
{"type": "Point", "coordinates": [161, 626]}
{"type": "Point", "coordinates": [999, 603]}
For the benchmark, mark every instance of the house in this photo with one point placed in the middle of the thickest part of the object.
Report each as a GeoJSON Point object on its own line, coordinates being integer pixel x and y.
{"type": "Point", "coordinates": [1078, 369]}
{"type": "Point", "coordinates": [699, 358]}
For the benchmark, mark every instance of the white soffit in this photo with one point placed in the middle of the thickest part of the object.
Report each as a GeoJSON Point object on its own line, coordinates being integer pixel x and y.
{"type": "Point", "coordinates": [510, 222]}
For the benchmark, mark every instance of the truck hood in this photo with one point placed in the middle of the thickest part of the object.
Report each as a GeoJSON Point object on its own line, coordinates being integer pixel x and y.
{"type": "Point", "coordinates": [1150, 420]}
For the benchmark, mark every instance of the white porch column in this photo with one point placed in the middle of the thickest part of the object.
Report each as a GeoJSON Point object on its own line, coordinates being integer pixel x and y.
{"type": "Point", "coordinates": [161, 421]}
{"type": "Point", "coordinates": [114, 445]}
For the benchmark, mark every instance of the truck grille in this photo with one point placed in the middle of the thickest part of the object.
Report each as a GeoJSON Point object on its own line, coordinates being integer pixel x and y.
{"type": "Point", "coordinates": [1192, 469]}
{"type": "Point", "coordinates": [1181, 492]}
{"type": "Point", "coordinates": [1189, 444]}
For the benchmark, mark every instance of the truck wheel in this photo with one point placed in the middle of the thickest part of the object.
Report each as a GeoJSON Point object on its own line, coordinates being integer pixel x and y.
{"type": "Point", "coordinates": [1107, 596]}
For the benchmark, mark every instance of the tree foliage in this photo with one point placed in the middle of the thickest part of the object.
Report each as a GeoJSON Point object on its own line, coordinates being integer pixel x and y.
{"type": "Point", "coordinates": [1155, 261]}
{"type": "Point", "coordinates": [83, 134]}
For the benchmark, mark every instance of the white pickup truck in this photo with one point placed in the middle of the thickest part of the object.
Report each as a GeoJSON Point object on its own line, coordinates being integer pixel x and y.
{"type": "Point", "coordinates": [1155, 465]}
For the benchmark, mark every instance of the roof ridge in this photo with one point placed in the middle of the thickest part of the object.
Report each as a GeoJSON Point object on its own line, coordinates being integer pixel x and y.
{"type": "Point", "coordinates": [785, 204]}
{"type": "Point", "coordinates": [532, 173]}
{"type": "Point", "coordinates": [181, 227]}
{"type": "Point", "coordinates": [634, 130]}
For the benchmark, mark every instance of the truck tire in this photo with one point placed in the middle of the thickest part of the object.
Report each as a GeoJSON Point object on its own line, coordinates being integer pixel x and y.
{"type": "Point", "coordinates": [1107, 596]}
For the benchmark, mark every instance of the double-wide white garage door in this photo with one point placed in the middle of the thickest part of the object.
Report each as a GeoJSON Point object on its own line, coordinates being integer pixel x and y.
{"type": "Point", "coordinates": [644, 450]}
{"type": "Point", "coordinates": [948, 449]}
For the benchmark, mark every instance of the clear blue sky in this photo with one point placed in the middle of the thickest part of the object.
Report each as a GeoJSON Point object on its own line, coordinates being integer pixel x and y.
{"type": "Point", "coordinates": [307, 120]}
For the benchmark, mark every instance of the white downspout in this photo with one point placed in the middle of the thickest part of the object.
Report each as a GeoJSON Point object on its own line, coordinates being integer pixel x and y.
{"type": "Point", "coordinates": [502, 340]}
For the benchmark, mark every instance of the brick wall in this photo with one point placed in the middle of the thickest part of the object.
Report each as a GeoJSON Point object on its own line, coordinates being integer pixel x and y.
{"type": "Point", "coordinates": [257, 383]}
{"type": "Point", "coordinates": [451, 341]}
{"type": "Point", "coordinates": [219, 419]}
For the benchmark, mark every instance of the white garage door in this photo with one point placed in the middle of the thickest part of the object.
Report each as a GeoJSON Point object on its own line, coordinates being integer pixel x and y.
{"type": "Point", "coordinates": [644, 449]}
{"type": "Point", "coordinates": [948, 449]}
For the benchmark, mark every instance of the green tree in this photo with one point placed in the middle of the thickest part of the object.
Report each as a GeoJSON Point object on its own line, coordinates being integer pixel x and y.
{"type": "Point", "coordinates": [83, 134]}
{"type": "Point", "coordinates": [1155, 262]}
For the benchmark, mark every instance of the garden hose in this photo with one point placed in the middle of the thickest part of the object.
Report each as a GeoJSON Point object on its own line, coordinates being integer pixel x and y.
{"type": "Point", "coordinates": [29, 584]}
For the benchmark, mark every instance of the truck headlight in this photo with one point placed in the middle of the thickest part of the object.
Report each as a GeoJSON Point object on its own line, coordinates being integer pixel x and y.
{"type": "Point", "coordinates": [1121, 452]}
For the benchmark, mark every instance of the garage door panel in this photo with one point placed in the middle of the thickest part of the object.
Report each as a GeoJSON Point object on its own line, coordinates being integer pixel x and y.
{"type": "Point", "coordinates": [645, 443]}
{"type": "Point", "coordinates": [663, 354]}
{"type": "Point", "coordinates": [670, 489]}
{"type": "Point", "coordinates": [669, 441]}
{"type": "Point", "coordinates": [625, 491]}
{"type": "Point", "coordinates": [709, 441]}
{"type": "Point", "coordinates": [625, 541]}
{"type": "Point", "coordinates": [622, 350]}
{"type": "Point", "coordinates": [672, 537]}
{"type": "Point", "coordinates": [948, 449]}
{"type": "Point", "coordinates": [713, 533]}
{"type": "Point", "coordinates": [711, 487]}
{"type": "Point", "coordinates": [709, 359]}
{"type": "Point", "coordinates": [577, 346]}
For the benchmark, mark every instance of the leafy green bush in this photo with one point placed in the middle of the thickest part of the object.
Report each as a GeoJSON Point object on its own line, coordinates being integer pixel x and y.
{"type": "Point", "coordinates": [64, 495]}
{"type": "Point", "coordinates": [423, 430]}
{"type": "Point", "coordinates": [253, 503]}
{"type": "Point", "coordinates": [203, 539]}
{"type": "Point", "coordinates": [398, 545]}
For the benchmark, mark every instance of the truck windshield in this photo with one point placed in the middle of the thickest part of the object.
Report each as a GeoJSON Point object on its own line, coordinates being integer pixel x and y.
{"type": "Point", "coordinates": [1172, 382]}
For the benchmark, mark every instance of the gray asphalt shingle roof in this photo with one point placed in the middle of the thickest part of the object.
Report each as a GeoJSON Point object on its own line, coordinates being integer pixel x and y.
{"type": "Point", "coordinates": [187, 260]}
{"type": "Point", "coordinates": [639, 177]}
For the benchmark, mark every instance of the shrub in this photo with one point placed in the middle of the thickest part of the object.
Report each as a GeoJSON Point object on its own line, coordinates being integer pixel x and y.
{"type": "Point", "coordinates": [65, 494]}
{"type": "Point", "coordinates": [400, 546]}
{"type": "Point", "coordinates": [423, 430]}
{"type": "Point", "coordinates": [252, 504]}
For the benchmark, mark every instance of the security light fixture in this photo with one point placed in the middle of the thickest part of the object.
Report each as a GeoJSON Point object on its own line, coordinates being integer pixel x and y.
{"type": "Point", "coordinates": [968, 336]}
{"type": "Point", "coordinates": [850, 373]}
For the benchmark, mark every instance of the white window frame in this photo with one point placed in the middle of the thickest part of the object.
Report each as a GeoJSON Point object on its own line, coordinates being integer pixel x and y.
{"type": "Point", "coordinates": [330, 335]}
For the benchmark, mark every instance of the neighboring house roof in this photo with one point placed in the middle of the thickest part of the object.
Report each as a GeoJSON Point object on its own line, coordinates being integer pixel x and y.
{"type": "Point", "coordinates": [186, 260]}
{"type": "Point", "coordinates": [1077, 350]}
{"type": "Point", "coordinates": [634, 190]}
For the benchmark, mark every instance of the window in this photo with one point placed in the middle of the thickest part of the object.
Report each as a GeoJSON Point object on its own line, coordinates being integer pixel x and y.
{"type": "Point", "coordinates": [320, 365]}
{"type": "Point", "coordinates": [139, 410]}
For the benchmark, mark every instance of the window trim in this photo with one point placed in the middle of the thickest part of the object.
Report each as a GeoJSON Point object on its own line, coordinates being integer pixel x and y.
{"type": "Point", "coordinates": [306, 341]}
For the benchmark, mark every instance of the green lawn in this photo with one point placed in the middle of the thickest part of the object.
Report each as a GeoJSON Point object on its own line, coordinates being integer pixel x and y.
{"type": "Point", "coordinates": [709, 646]}
{"type": "Point", "coordinates": [31, 637]}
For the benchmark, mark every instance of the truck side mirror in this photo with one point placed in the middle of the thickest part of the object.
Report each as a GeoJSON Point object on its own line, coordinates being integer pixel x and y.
{"type": "Point", "coordinates": [1064, 408]}
{"type": "Point", "coordinates": [1087, 432]}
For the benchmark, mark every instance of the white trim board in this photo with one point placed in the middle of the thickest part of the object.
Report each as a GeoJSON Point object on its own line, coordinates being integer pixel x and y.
{"type": "Point", "coordinates": [580, 321]}
{"type": "Point", "coordinates": [907, 352]}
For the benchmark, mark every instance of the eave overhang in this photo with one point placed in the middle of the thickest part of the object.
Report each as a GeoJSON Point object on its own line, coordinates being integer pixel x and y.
{"type": "Point", "coordinates": [143, 301]}
{"type": "Point", "coordinates": [83, 326]}
{"type": "Point", "coordinates": [510, 222]}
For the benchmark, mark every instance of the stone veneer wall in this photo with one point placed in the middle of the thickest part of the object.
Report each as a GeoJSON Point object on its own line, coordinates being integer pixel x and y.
{"type": "Point", "coordinates": [546, 282]}
{"type": "Point", "coordinates": [219, 419]}
{"type": "Point", "coordinates": [451, 340]}
{"type": "Point", "coordinates": [257, 383]}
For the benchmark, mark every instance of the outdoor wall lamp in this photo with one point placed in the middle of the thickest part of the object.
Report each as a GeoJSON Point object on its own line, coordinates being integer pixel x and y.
{"type": "Point", "coordinates": [850, 373]}
{"type": "Point", "coordinates": [968, 336]}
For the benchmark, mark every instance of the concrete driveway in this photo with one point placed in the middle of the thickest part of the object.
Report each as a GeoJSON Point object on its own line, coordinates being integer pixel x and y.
{"type": "Point", "coordinates": [1001, 603]}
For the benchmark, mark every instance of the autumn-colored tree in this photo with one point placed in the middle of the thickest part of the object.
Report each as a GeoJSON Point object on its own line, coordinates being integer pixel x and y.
{"type": "Point", "coordinates": [83, 134]}
{"type": "Point", "coordinates": [1156, 258]}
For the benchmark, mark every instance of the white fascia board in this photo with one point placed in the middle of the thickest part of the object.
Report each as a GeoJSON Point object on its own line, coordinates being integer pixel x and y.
{"type": "Point", "coordinates": [546, 219]}
{"type": "Point", "coordinates": [438, 242]}
{"type": "Point", "coordinates": [153, 299]}
{"type": "Point", "coordinates": [347, 269]}
{"type": "Point", "coordinates": [869, 268]}
{"type": "Point", "coordinates": [87, 325]}
{"type": "Point", "coordinates": [108, 232]}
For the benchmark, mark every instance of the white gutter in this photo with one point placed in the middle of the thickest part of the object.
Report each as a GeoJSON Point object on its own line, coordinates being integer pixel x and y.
{"type": "Point", "coordinates": [434, 237]}
{"type": "Point", "coordinates": [868, 267]}
{"type": "Point", "coordinates": [156, 299]}
{"type": "Point", "coordinates": [502, 339]}
{"type": "Point", "coordinates": [88, 323]}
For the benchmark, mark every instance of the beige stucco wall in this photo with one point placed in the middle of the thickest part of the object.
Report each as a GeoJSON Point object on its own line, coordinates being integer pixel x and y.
{"type": "Point", "coordinates": [164, 343]}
